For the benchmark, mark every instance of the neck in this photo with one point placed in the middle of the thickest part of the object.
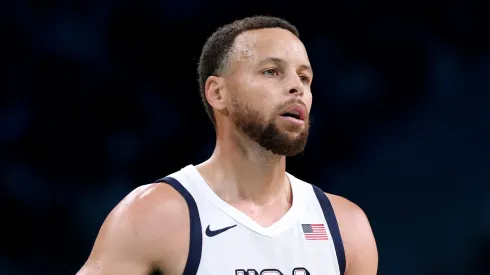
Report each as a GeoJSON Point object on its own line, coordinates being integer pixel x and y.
{"type": "Point", "coordinates": [241, 170]}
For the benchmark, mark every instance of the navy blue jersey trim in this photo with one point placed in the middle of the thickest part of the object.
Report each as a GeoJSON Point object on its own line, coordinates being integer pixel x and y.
{"type": "Point", "coordinates": [333, 226]}
{"type": "Point", "coordinates": [195, 240]}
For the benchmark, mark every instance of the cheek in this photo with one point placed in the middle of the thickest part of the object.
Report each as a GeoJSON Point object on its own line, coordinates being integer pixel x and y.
{"type": "Point", "coordinates": [262, 108]}
{"type": "Point", "coordinates": [308, 99]}
{"type": "Point", "coordinates": [256, 96]}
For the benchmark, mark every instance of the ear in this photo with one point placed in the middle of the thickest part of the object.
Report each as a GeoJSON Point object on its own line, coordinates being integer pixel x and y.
{"type": "Point", "coordinates": [214, 91]}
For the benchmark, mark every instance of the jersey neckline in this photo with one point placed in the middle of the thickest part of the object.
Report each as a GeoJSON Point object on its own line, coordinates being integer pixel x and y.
{"type": "Point", "coordinates": [286, 221]}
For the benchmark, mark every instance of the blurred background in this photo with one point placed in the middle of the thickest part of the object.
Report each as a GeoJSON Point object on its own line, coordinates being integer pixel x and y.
{"type": "Point", "coordinates": [99, 97]}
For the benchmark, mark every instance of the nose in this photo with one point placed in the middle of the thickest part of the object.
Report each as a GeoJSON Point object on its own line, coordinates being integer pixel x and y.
{"type": "Point", "coordinates": [296, 87]}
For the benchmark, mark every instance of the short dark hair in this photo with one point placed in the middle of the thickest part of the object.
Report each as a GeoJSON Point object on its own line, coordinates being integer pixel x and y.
{"type": "Point", "coordinates": [214, 54]}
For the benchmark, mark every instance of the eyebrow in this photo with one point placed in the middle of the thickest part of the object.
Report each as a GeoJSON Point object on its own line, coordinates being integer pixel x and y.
{"type": "Point", "coordinates": [282, 61]}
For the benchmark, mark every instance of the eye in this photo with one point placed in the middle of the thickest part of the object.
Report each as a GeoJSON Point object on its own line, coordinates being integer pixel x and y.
{"type": "Point", "coordinates": [271, 72]}
{"type": "Point", "coordinates": [305, 79]}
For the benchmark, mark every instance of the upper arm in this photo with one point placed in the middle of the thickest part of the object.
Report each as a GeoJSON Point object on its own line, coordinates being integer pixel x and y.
{"type": "Point", "coordinates": [143, 232]}
{"type": "Point", "coordinates": [357, 237]}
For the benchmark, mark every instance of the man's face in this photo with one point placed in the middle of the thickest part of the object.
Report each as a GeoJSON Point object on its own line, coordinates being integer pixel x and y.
{"type": "Point", "coordinates": [269, 83]}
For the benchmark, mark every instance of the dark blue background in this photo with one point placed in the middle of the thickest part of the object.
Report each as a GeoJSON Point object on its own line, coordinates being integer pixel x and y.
{"type": "Point", "coordinates": [99, 97]}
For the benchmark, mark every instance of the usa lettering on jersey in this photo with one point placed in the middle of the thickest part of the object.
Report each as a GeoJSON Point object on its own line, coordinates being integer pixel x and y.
{"type": "Point", "coordinates": [296, 271]}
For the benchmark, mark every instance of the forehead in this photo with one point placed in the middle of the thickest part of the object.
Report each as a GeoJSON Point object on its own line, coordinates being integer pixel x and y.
{"type": "Point", "coordinates": [257, 45]}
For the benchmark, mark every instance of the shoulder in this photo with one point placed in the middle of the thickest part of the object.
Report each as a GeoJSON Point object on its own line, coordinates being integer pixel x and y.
{"type": "Point", "coordinates": [148, 206]}
{"type": "Point", "coordinates": [153, 222]}
{"type": "Point", "coordinates": [346, 210]}
{"type": "Point", "coordinates": [153, 208]}
{"type": "Point", "coordinates": [351, 218]}
{"type": "Point", "coordinates": [355, 230]}
{"type": "Point", "coordinates": [154, 199]}
{"type": "Point", "coordinates": [357, 235]}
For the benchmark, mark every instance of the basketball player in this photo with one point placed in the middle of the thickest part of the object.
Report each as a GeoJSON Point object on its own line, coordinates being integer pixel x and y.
{"type": "Point", "coordinates": [240, 212]}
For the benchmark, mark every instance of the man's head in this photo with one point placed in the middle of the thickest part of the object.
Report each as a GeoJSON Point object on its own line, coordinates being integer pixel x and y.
{"type": "Point", "coordinates": [255, 74]}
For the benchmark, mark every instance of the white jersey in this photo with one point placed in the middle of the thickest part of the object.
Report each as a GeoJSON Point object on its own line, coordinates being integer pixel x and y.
{"type": "Point", "coordinates": [225, 241]}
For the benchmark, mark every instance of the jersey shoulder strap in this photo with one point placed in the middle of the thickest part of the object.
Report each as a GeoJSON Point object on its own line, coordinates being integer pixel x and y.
{"type": "Point", "coordinates": [329, 214]}
{"type": "Point", "coordinates": [195, 241]}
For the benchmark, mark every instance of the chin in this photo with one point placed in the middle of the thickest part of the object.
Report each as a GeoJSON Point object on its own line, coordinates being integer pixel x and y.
{"type": "Point", "coordinates": [291, 128]}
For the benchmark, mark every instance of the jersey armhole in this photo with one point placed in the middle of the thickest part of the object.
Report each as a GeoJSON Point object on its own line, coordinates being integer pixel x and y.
{"type": "Point", "coordinates": [195, 238]}
{"type": "Point", "coordinates": [329, 214]}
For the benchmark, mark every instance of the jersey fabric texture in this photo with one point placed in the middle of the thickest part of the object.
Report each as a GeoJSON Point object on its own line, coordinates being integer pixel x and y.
{"type": "Point", "coordinates": [225, 241]}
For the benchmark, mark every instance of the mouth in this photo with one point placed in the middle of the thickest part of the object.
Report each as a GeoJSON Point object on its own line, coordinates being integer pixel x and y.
{"type": "Point", "coordinates": [296, 111]}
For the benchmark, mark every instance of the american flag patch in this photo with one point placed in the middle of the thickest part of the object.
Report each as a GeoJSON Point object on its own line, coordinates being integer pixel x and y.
{"type": "Point", "coordinates": [314, 232]}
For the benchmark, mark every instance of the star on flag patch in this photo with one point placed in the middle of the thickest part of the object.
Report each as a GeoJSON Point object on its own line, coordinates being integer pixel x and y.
{"type": "Point", "coordinates": [314, 231]}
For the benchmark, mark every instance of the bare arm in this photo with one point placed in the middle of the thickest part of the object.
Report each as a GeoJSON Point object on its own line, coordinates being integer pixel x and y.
{"type": "Point", "coordinates": [144, 232]}
{"type": "Point", "coordinates": [357, 236]}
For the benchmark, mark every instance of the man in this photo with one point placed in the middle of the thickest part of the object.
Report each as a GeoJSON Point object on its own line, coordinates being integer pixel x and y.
{"type": "Point", "coordinates": [240, 212]}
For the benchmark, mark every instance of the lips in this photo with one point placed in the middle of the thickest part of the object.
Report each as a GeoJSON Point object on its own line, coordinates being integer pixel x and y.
{"type": "Point", "coordinates": [296, 111]}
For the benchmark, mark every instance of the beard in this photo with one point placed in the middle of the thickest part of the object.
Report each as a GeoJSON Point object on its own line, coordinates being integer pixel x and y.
{"type": "Point", "coordinates": [265, 131]}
